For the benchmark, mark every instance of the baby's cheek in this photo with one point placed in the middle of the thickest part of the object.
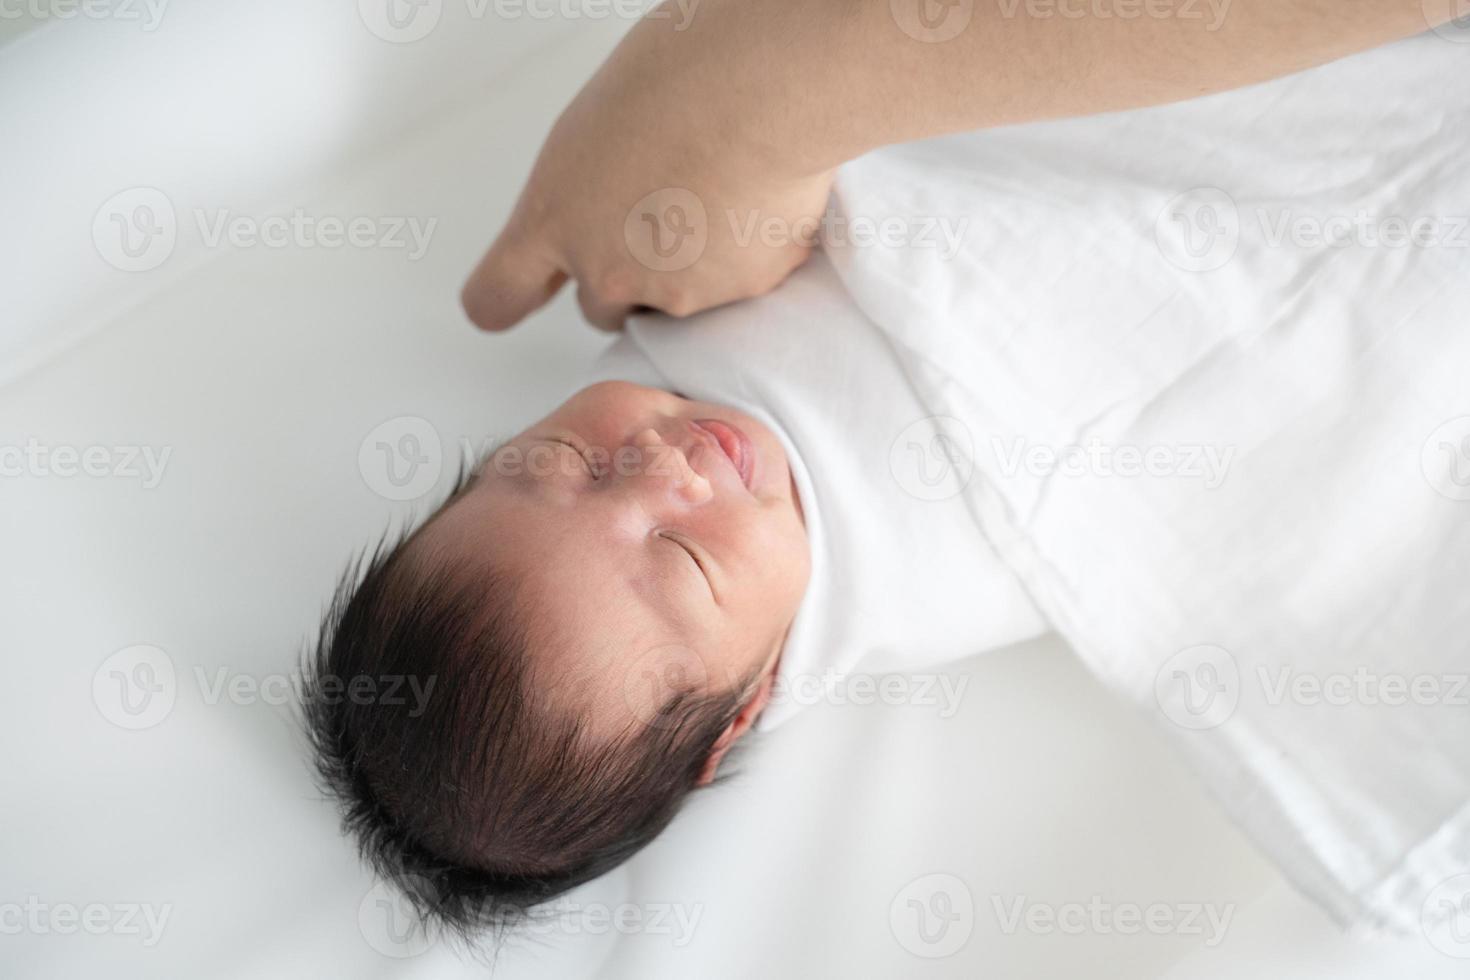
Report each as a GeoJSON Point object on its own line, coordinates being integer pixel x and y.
{"type": "Point", "coordinates": [783, 556]}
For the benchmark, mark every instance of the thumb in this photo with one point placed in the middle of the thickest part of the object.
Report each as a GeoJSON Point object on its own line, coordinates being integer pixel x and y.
{"type": "Point", "coordinates": [512, 281]}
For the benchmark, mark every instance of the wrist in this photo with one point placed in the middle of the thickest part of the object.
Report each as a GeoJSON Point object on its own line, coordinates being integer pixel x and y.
{"type": "Point", "coordinates": [738, 91]}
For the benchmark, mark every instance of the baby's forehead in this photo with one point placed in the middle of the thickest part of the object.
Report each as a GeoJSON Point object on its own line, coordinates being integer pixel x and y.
{"type": "Point", "coordinates": [588, 565]}
{"type": "Point", "coordinates": [598, 638]}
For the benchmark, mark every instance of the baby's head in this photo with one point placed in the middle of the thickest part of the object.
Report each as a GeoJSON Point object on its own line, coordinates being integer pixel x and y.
{"type": "Point", "coordinates": [563, 651]}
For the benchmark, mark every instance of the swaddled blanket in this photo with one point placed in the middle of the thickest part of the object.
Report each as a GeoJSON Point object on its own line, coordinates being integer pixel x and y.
{"type": "Point", "coordinates": [1201, 375]}
{"type": "Point", "coordinates": [1214, 362]}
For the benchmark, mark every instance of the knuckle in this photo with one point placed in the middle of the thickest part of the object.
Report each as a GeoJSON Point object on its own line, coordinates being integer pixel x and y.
{"type": "Point", "coordinates": [680, 301]}
{"type": "Point", "coordinates": [612, 286]}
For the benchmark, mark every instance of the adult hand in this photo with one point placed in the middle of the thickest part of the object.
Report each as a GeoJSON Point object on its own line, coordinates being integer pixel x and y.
{"type": "Point", "coordinates": [648, 200]}
{"type": "Point", "coordinates": [694, 168]}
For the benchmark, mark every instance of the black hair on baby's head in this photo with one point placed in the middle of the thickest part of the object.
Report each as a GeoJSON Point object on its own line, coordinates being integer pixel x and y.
{"type": "Point", "coordinates": [461, 780]}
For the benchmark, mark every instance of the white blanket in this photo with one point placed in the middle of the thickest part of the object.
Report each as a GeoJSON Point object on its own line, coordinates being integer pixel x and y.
{"type": "Point", "coordinates": [1214, 362]}
{"type": "Point", "coordinates": [1200, 375]}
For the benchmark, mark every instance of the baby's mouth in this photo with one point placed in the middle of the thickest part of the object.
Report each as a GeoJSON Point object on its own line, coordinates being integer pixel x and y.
{"type": "Point", "coordinates": [736, 446]}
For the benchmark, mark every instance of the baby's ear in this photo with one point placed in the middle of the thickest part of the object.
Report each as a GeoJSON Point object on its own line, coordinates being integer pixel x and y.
{"type": "Point", "coordinates": [738, 727]}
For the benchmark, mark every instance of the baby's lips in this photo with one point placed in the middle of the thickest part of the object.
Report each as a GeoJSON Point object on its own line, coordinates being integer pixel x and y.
{"type": "Point", "coordinates": [657, 676]}
{"type": "Point", "coordinates": [735, 444]}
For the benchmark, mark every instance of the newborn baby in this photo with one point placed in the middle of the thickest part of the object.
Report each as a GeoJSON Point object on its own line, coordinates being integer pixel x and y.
{"type": "Point", "coordinates": [600, 639]}
{"type": "Point", "coordinates": [604, 601]}
{"type": "Point", "coordinates": [614, 596]}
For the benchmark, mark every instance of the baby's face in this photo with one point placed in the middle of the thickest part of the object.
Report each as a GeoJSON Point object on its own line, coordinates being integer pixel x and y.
{"type": "Point", "coordinates": [655, 539]}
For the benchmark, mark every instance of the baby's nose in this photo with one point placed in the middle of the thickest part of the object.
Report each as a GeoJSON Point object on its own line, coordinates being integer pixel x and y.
{"type": "Point", "coordinates": [667, 464]}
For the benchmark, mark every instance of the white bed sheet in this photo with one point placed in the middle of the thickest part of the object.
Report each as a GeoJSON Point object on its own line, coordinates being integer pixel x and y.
{"type": "Point", "coordinates": [264, 372]}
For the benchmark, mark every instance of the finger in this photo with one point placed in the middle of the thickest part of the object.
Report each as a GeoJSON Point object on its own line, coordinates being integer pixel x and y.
{"type": "Point", "coordinates": [512, 281]}
{"type": "Point", "coordinates": [684, 296]}
{"type": "Point", "coordinates": [602, 313]}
